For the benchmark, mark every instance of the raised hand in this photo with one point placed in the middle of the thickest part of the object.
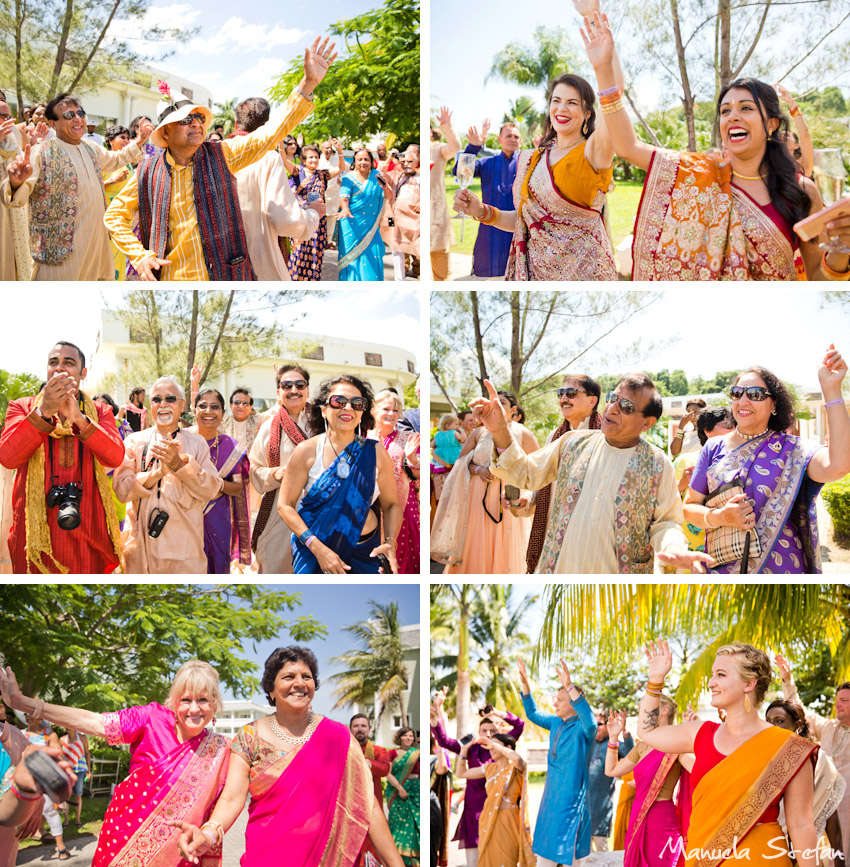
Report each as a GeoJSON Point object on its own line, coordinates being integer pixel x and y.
{"type": "Point", "coordinates": [440, 698]}
{"type": "Point", "coordinates": [586, 8]}
{"type": "Point", "coordinates": [20, 168]}
{"type": "Point", "coordinates": [615, 725]}
{"type": "Point", "coordinates": [317, 60]}
{"type": "Point", "coordinates": [474, 137]}
{"type": "Point", "coordinates": [445, 116]}
{"type": "Point", "coordinates": [598, 41]}
{"type": "Point", "coordinates": [10, 690]}
{"type": "Point", "coordinates": [195, 377]}
{"type": "Point", "coordinates": [563, 674]}
{"type": "Point", "coordinates": [489, 410]}
{"type": "Point", "coordinates": [784, 668]}
{"type": "Point", "coordinates": [690, 715]}
{"type": "Point", "coordinates": [145, 130]}
{"type": "Point", "coordinates": [523, 676]}
{"type": "Point", "coordinates": [785, 96]}
{"type": "Point", "coordinates": [660, 660]}
{"type": "Point", "coordinates": [411, 447]}
{"type": "Point", "coordinates": [6, 127]}
{"type": "Point", "coordinates": [832, 371]}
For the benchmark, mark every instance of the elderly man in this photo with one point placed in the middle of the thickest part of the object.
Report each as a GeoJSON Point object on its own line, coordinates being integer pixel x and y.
{"type": "Point", "coordinates": [61, 444]}
{"type": "Point", "coordinates": [167, 478]}
{"type": "Point", "coordinates": [403, 237]}
{"type": "Point", "coordinates": [62, 180]}
{"type": "Point", "coordinates": [615, 499]}
{"type": "Point", "coordinates": [497, 173]}
{"type": "Point", "coordinates": [269, 207]}
{"type": "Point", "coordinates": [241, 424]}
{"type": "Point", "coordinates": [272, 449]}
{"type": "Point", "coordinates": [189, 214]}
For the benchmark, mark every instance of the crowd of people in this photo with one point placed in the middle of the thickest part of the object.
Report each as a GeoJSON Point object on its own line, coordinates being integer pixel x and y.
{"type": "Point", "coordinates": [731, 213]}
{"type": "Point", "coordinates": [597, 497]}
{"type": "Point", "coordinates": [333, 480]}
{"type": "Point", "coordinates": [173, 200]}
{"type": "Point", "coordinates": [752, 789]}
{"type": "Point", "coordinates": [315, 785]}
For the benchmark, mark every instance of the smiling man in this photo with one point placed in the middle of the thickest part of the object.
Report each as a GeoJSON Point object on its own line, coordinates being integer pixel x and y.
{"type": "Point", "coordinates": [60, 442]}
{"type": "Point", "coordinates": [615, 501]}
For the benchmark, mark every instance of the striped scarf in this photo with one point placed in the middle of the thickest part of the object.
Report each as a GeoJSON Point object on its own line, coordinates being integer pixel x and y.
{"type": "Point", "coordinates": [544, 496]}
{"type": "Point", "coordinates": [216, 210]}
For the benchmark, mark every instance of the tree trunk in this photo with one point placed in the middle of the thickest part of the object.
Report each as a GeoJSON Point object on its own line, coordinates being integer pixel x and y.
{"type": "Point", "coordinates": [220, 335]}
{"type": "Point", "coordinates": [60, 49]}
{"type": "Point", "coordinates": [516, 347]}
{"type": "Point", "coordinates": [627, 166]}
{"type": "Point", "coordinates": [688, 97]}
{"type": "Point", "coordinates": [81, 71]}
{"type": "Point", "coordinates": [479, 343]}
{"type": "Point", "coordinates": [443, 389]}
{"type": "Point", "coordinates": [20, 14]}
{"type": "Point", "coordinates": [193, 341]}
{"type": "Point", "coordinates": [463, 698]}
{"type": "Point", "coordinates": [724, 14]}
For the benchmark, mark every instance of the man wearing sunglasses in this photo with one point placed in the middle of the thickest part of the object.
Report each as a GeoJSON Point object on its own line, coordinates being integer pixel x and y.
{"type": "Point", "coordinates": [615, 502]}
{"type": "Point", "coordinates": [62, 180]}
{"type": "Point", "coordinates": [272, 449]}
{"type": "Point", "coordinates": [186, 198]}
{"type": "Point", "coordinates": [167, 479]}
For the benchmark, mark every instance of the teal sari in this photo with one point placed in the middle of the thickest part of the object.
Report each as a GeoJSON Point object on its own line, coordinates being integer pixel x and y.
{"type": "Point", "coordinates": [361, 248]}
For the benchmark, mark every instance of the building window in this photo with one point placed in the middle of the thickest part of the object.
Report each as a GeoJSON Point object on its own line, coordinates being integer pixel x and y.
{"type": "Point", "coordinates": [396, 721]}
{"type": "Point", "coordinates": [410, 367]}
{"type": "Point", "coordinates": [373, 359]}
{"type": "Point", "coordinates": [188, 92]}
{"type": "Point", "coordinates": [317, 354]}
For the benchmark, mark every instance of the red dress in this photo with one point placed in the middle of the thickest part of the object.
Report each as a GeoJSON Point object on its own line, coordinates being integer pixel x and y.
{"type": "Point", "coordinates": [88, 548]}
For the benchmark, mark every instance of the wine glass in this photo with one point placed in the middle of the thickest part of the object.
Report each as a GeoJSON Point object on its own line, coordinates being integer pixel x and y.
{"type": "Point", "coordinates": [829, 179]}
{"type": "Point", "coordinates": [465, 173]}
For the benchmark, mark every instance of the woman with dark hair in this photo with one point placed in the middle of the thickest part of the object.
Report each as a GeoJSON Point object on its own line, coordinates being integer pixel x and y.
{"type": "Point", "coordinates": [729, 217]}
{"type": "Point", "coordinates": [559, 193]}
{"type": "Point", "coordinates": [117, 138]}
{"type": "Point", "coordinates": [336, 484]}
{"type": "Point", "coordinates": [711, 419]}
{"type": "Point", "coordinates": [290, 150]}
{"type": "Point", "coordinates": [503, 836]}
{"type": "Point", "coordinates": [402, 794]}
{"type": "Point", "coordinates": [134, 411]}
{"type": "Point", "coordinates": [312, 801]}
{"type": "Point", "coordinates": [227, 520]}
{"type": "Point", "coordinates": [474, 532]}
{"type": "Point", "coordinates": [754, 489]}
{"type": "Point", "coordinates": [361, 203]}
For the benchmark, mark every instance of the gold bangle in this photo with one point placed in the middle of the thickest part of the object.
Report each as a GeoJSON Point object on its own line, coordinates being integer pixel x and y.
{"type": "Point", "coordinates": [494, 214]}
{"type": "Point", "coordinates": [651, 685]}
{"type": "Point", "coordinates": [612, 107]}
{"type": "Point", "coordinates": [830, 274]}
{"type": "Point", "coordinates": [795, 112]}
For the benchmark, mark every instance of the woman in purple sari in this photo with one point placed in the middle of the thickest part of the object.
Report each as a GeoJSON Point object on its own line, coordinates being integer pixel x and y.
{"type": "Point", "coordinates": [227, 528]}
{"type": "Point", "coordinates": [758, 484]}
{"type": "Point", "coordinates": [177, 766]}
{"type": "Point", "coordinates": [312, 799]}
{"type": "Point", "coordinates": [655, 831]}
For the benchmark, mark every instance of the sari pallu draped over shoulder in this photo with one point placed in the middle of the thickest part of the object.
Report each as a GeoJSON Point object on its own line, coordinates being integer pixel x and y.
{"type": "Point", "coordinates": [404, 813]}
{"type": "Point", "coordinates": [182, 785]}
{"type": "Point", "coordinates": [490, 815]}
{"type": "Point", "coordinates": [555, 238]}
{"type": "Point", "coordinates": [774, 470]}
{"type": "Point", "coordinates": [335, 508]}
{"type": "Point", "coordinates": [314, 809]}
{"type": "Point", "coordinates": [693, 224]}
{"type": "Point", "coordinates": [731, 798]}
{"type": "Point", "coordinates": [227, 519]}
{"type": "Point", "coordinates": [361, 248]}
{"type": "Point", "coordinates": [652, 841]}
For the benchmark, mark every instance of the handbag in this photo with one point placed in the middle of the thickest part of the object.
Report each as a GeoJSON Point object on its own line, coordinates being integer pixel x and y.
{"type": "Point", "coordinates": [729, 544]}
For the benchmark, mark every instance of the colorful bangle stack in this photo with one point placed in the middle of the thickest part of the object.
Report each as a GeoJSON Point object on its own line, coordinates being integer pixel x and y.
{"type": "Point", "coordinates": [654, 688]}
{"type": "Point", "coordinates": [795, 112]}
{"type": "Point", "coordinates": [217, 829]}
{"type": "Point", "coordinates": [24, 796]}
{"type": "Point", "coordinates": [614, 746]}
{"type": "Point", "coordinates": [611, 100]}
{"type": "Point", "coordinates": [830, 274]}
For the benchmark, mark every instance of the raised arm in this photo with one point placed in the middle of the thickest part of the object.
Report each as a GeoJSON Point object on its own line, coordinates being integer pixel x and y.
{"type": "Point", "coordinates": [463, 770]}
{"type": "Point", "coordinates": [833, 463]}
{"type": "Point", "coordinates": [452, 145]}
{"type": "Point", "coordinates": [615, 767]}
{"type": "Point", "coordinates": [807, 151]}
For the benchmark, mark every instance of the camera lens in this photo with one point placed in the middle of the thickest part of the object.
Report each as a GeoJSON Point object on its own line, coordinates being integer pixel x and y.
{"type": "Point", "coordinates": [69, 517]}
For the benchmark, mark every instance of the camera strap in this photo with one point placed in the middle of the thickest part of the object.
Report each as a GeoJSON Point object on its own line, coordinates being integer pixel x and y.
{"type": "Point", "coordinates": [49, 446]}
{"type": "Point", "coordinates": [144, 468]}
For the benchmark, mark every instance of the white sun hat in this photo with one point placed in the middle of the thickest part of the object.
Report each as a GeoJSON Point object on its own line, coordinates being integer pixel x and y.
{"type": "Point", "coordinates": [171, 110]}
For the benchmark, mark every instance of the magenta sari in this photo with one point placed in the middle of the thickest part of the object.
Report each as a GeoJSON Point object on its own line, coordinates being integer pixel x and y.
{"type": "Point", "coordinates": [168, 780]}
{"type": "Point", "coordinates": [407, 544]}
{"type": "Point", "coordinates": [311, 807]}
{"type": "Point", "coordinates": [655, 833]}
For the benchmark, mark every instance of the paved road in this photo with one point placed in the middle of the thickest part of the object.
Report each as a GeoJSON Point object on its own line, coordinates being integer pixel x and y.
{"type": "Point", "coordinates": [330, 271]}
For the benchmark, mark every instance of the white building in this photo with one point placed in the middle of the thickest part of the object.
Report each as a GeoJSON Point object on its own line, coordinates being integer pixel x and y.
{"type": "Point", "coordinates": [238, 713]}
{"type": "Point", "coordinates": [381, 366]}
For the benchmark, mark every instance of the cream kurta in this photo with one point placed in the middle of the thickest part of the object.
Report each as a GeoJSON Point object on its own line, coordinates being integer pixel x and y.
{"type": "Point", "coordinates": [834, 740]}
{"type": "Point", "coordinates": [91, 258]}
{"type": "Point", "coordinates": [404, 236]}
{"type": "Point", "coordinates": [184, 495]}
{"type": "Point", "coordinates": [15, 259]}
{"type": "Point", "coordinates": [589, 543]}
{"type": "Point", "coordinates": [269, 210]}
{"type": "Point", "coordinates": [274, 547]}
{"type": "Point", "coordinates": [442, 235]}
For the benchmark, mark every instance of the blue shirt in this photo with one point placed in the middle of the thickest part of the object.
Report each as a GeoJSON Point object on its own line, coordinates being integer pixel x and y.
{"type": "Point", "coordinates": [562, 832]}
{"type": "Point", "coordinates": [601, 787]}
{"type": "Point", "coordinates": [492, 246]}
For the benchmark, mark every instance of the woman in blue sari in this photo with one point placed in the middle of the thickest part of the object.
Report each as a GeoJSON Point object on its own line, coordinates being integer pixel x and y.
{"type": "Point", "coordinates": [335, 485]}
{"type": "Point", "coordinates": [361, 202]}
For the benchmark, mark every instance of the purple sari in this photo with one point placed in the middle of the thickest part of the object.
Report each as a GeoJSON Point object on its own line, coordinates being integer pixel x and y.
{"type": "Point", "coordinates": [227, 531]}
{"type": "Point", "coordinates": [654, 835]}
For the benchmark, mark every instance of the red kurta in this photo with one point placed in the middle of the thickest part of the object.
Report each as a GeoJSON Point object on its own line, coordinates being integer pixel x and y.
{"type": "Point", "coordinates": [380, 766]}
{"type": "Point", "coordinates": [88, 549]}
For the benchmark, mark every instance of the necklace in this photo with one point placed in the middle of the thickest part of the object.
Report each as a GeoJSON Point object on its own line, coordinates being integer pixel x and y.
{"type": "Point", "coordinates": [747, 177]}
{"type": "Point", "coordinates": [570, 146]}
{"type": "Point", "coordinates": [342, 467]}
{"type": "Point", "coordinates": [312, 722]}
{"type": "Point", "coordinates": [744, 436]}
{"type": "Point", "coordinates": [214, 446]}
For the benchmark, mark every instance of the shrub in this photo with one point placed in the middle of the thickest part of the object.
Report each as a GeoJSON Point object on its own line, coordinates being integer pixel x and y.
{"type": "Point", "coordinates": [836, 495]}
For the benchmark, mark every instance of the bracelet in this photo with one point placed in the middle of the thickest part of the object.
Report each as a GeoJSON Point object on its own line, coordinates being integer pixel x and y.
{"type": "Point", "coordinates": [839, 401]}
{"type": "Point", "coordinates": [610, 91]}
{"type": "Point", "coordinates": [654, 685]}
{"type": "Point", "coordinates": [654, 692]}
{"type": "Point", "coordinates": [305, 536]}
{"type": "Point", "coordinates": [303, 95]}
{"type": "Point", "coordinates": [680, 434]}
{"type": "Point", "coordinates": [614, 746]}
{"type": "Point", "coordinates": [24, 796]}
{"type": "Point", "coordinates": [391, 540]}
{"type": "Point", "coordinates": [830, 274]}
{"type": "Point", "coordinates": [217, 828]}
{"type": "Point", "coordinates": [38, 710]}
{"type": "Point", "coordinates": [795, 112]}
{"type": "Point", "coordinates": [485, 214]}
{"type": "Point", "coordinates": [613, 107]}
{"type": "Point", "coordinates": [309, 540]}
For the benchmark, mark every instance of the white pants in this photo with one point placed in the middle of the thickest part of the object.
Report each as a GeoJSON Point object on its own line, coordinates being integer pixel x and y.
{"type": "Point", "coordinates": [471, 857]}
{"type": "Point", "coordinates": [398, 272]}
{"type": "Point", "coordinates": [51, 814]}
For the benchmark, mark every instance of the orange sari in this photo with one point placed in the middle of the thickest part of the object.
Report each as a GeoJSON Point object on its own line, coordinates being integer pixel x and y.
{"type": "Point", "coordinates": [504, 834]}
{"type": "Point", "coordinates": [694, 224]}
{"type": "Point", "coordinates": [731, 798]}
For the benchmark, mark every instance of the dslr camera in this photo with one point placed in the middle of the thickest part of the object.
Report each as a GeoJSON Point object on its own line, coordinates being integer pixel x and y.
{"type": "Point", "coordinates": [67, 498]}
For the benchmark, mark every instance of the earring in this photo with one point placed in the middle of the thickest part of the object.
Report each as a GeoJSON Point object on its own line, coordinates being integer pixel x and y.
{"type": "Point", "coordinates": [747, 703]}
{"type": "Point", "coordinates": [325, 423]}
{"type": "Point", "coordinates": [584, 128]}
{"type": "Point", "coordinates": [214, 721]}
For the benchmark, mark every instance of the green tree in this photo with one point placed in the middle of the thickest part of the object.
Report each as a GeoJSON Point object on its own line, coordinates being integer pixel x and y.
{"type": "Point", "coordinates": [13, 386]}
{"type": "Point", "coordinates": [550, 54]}
{"type": "Point", "coordinates": [374, 88]}
{"type": "Point", "coordinates": [225, 114]}
{"type": "Point", "coordinates": [376, 667]}
{"type": "Point", "coordinates": [103, 646]}
{"type": "Point", "coordinates": [678, 382]}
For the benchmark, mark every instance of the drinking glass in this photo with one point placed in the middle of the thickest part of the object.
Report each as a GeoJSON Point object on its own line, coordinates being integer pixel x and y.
{"type": "Point", "coordinates": [465, 173]}
{"type": "Point", "coordinates": [829, 179]}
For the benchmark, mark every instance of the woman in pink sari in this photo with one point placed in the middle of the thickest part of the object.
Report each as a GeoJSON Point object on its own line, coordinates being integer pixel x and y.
{"type": "Point", "coordinates": [177, 766]}
{"type": "Point", "coordinates": [655, 828]}
{"type": "Point", "coordinates": [312, 798]}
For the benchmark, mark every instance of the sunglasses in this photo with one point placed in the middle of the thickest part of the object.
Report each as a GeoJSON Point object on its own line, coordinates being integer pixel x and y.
{"type": "Point", "coordinates": [626, 406]}
{"type": "Point", "coordinates": [70, 115]}
{"type": "Point", "coordinates": [189, 118]}
{"type": "Point", "coordinates": [240, 403]}
{"type": "Point", "coordinates": [169, 398]}
{"type": "Point", "coordinates": [570, 392]}
{"type": "Point", "coordinates": [213, 406]}
{"type": "Point", "coordinates": [756, 393]}
{"type": "Point", "coordinates": [340, 401]}
{"type": "Point", "coordinates": [300, 384]}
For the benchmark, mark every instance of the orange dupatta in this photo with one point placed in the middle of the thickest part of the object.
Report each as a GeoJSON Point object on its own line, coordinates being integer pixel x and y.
{"type": "Point", "coordinates": [730, 799]}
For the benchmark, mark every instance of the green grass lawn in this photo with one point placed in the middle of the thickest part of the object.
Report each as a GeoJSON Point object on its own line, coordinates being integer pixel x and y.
{"type": "Point", "coordinates": [470, 226]}
{"type": "Point", "coordinates": [93, 812]}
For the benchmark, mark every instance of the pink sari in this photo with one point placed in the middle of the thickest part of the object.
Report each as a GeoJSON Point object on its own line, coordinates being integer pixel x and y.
{"type": "Point", "coordinates": [311, 807]}
{"type": "Point", "coordinates": [654, 838]}
{"type": "Point", "coordinates": [168, 780]}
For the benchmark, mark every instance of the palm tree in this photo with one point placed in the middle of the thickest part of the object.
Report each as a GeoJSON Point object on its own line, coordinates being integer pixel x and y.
{"type": "Point", "coordinates": [551, 54]}
{"type": "Point", "coordinates": [225, 113]}
{"type": "Point", "coordinates": [377, 669]}
{"type": "Point", "coordinates": [619, 618]}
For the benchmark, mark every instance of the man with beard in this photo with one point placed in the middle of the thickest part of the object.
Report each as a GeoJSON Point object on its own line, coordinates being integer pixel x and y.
{"type": "Point", "coordinates": [134, 412]}
{"type": "Point", "coordinates": [378, 760]}
{"type": "Point", "coordinates": [167, 478]}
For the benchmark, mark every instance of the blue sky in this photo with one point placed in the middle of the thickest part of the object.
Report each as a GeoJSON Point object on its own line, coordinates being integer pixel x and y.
{"type": "Point", "coordinates": [336, 606]}
{"type": "Point", "coordinates": [241, 48]}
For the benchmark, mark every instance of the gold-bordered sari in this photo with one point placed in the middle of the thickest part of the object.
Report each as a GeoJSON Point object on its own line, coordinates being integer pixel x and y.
{"type": "Point", "coordinates": [498, 784]}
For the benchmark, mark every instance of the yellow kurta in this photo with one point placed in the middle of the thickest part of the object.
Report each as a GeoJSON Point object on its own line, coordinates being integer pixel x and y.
{"type": "Point", "coordinates": [184, 249]}
{"type": "Point", "coordinates": [91, 258]}
{"type": "Point", "coordinates": [589, 545]}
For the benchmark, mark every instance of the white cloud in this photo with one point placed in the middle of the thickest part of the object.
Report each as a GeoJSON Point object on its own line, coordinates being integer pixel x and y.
{"type": "Point", "coordinates": [174, 15]}
{"type": "Point", "coordinates": [236, 34]}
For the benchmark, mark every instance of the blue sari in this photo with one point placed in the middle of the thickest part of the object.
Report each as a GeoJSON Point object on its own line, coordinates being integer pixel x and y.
{"type": "Point", "coordinates": [361, 248]}
{"type": "Point", "coordinates": [335, 509]}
